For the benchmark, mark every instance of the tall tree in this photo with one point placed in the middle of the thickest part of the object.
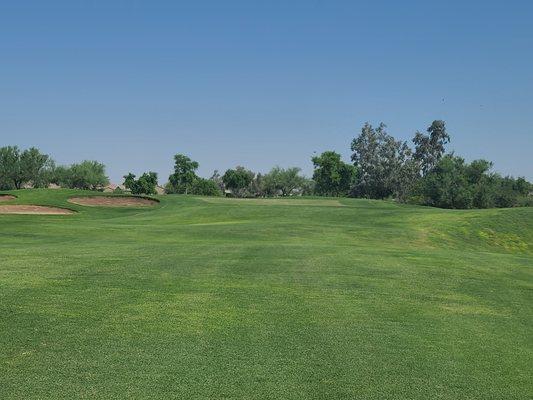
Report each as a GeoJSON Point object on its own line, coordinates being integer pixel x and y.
{"type": "Point", "coordinates": [146, 184]}
{"type": "Point", "coordinates": [9, 167]}
{"type": "Point", "coordinates": [332, 176]}
{"type": "Point", "coordinates": [430, 148]}
{"type": "Point", "coordinates": [129, 181]}
{"type": "Point", "coordinates": [257, 187]}
{"type": "Point", "coordinates": [205, 187]}
{"type": "Point", "coordinates": [282, 181]}
{"type": "Point", "coordinates": [383, 164]}
{"type": "Point", "coordinates": [184, 174]}
{"type": "Point", "coordinates": [20, 167]}
{"type": "Point", "coordinates": [405, 175]}
{"type": "Point", "coordinates": [453, 183]}
{"type": "Point", "coordinates": [87, 175]}
{"type": "Point", "coordinates": [238, 180]}
{"type": "Point", "coordinates": [447, 184]}
{"type": "Point", "coordinates": [217, 179]}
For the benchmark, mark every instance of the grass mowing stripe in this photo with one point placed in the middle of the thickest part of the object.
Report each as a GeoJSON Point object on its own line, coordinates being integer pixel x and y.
{"type": "Point", "coordinates": [280, 298]}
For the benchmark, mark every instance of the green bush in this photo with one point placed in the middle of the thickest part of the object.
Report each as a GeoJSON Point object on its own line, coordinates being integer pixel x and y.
{"type": "Point", "coordinates": [205, 187]}
{"type": "Point", "coordinates": [146, 183]}
{"type": "Point", "coordinates": [453, 183]}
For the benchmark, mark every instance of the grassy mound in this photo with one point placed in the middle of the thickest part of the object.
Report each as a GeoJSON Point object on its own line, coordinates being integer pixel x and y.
{"type": "Point", "coordinates": [206, 298]}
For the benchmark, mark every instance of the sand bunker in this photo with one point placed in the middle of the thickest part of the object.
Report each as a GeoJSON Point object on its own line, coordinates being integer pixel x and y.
{"type": "Point", "coordinates": [26, 209]}
{"type": "Point", "coordinates": [6, 197]}
{"type": "Point", "coordinates": [112, 201]}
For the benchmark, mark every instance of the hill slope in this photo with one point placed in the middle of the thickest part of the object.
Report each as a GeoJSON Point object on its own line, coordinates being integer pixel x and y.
{"type": "Point", "coordinates": [265, 299]}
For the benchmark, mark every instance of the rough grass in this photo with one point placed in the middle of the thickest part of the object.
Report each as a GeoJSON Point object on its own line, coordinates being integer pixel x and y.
{"type": "Point", "coordinates": [229, 299]}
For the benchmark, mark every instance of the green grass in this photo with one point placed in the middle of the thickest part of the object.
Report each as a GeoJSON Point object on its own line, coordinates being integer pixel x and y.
{"type": "Point", "coordinates": [202, 298]}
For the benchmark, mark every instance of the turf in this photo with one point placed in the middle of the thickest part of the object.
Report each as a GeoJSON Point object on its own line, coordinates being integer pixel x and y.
{"type": "Point", "coordinates": [202, 298]}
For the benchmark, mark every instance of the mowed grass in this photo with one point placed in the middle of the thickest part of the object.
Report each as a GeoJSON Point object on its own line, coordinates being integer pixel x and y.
{"type": "Point", "coordinates": [199, 298]}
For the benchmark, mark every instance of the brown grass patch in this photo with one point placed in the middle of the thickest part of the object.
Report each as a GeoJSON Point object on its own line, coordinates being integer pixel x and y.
{"type": "Point", "coordinates": [112, 201]}
{"type": "Point", "coordinates": [27, 209]}
{"type": "Point", "coordinates": [6, 197]}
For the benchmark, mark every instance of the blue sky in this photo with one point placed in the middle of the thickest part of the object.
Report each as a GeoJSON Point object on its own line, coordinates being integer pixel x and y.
{"type": "Point", "coordinates": [262, 83]}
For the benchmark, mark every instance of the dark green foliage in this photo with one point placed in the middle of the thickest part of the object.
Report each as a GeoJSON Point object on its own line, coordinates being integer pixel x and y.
{"type": "Point", "coordinates": [129, 181]}
{"type": "Point", "coordinates": [282, 182]}
{"type": "Point", "coordinates": [453, 183]}
{"type": "Point", "coordinates": [447, 185]}
{"type": "Point", "coordinates": [18, 168]}
{"type": "Point", "coordinates": [388, 168]}
{"type": "Point", "coordinates": [308, 187]}
{"type": "Point", "coordinates": [511, 192]}
{"type": "Point", "coordinates": [87, 175]}
{"type": "Point", "coordinates": [239, 181]}
{"type": "Point", "coordinates": [205, 187]}
{"type": "Point", "coordinates": [332, 176]}
{"type": "Point", "coordinates": [257, 187]}
{"type": "Point", "coordinates": [61, 176]}
{"type": "Point", "coordinates": [9, 159]}
{"type": "Point", "coordinates": [431, 147]}
{"type": "Point", "coordinates": [184, 175]}
{"type": "Point", "coordinates": [185, 181]}
{"type": "Point", "coordinates": [146, 184]}
{"type": "Point", "coordinates": [384, 165]}
{"type": "Point", "coordinates": [217, 179]}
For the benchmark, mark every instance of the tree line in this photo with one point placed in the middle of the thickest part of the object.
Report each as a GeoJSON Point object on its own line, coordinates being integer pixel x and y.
{"type": "Point", "coordinates": [381, 167]}
{"type": "Point", "coordinates": [427, 175]}
{"type": "Point", "coordinates": [21, 168]}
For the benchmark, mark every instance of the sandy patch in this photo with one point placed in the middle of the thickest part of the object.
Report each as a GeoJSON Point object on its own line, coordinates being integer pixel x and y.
{"type": "Point", "coordinates": [112, 201]}
{"type": "Point", "coordinates": [6, 197]}
{"type": "Point", "coordinates": [26, 209]}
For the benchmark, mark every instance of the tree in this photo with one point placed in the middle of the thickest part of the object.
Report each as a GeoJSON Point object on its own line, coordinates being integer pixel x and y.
{"type": "Point", "coordinates": [270, 183]}
{"type": "Point", "coordinates": [405, 176]}
{"type": "Point", "coordinates": [482, 183]}
{"type": "Point", "coordinates": [184, 174]}
{"type": "Point", "coordinates": [308, 187]}
{"type": "Point", "coordinates": [256, 188]}
{"type": "Point", "coordinates": [446, 185]}
{"type": "Point", "coordinates": [9, 166]}
{"type": "Point", "coordinates": [384, 166]}
{"type": "Point", "coordinates": [61, 176]}
{"type": "Point", "coordinates": [453, 183]}
{"type": "Point", "coordinates": [511, 192]}
{"type": "Point", "coordinates": [87, 175]}
{"type": "Point", "coordinates": [129, 181]}
{"type": "Point", "coordinates": [284, 182]}
{"type": "Point", "coordinates": [146, 184]}
{"type": "Point", "coordinates": [332, 176]}
{"type": "Point", "coordinates": [238, 180]}
{"type": "Point", "coordinates": [205, 187]}
{"type": "Point", "coordinates": [35, 167]}
{"type": "Point", "coordinates": [29, 166]}
{"type": "Point", "coordinates": [217, 180]}
{"type": "Point", "coordinates": [430, 148]}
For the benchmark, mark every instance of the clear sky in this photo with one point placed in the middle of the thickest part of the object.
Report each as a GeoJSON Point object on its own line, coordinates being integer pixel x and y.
{"type": "Point", "coordinates": [260, 83]}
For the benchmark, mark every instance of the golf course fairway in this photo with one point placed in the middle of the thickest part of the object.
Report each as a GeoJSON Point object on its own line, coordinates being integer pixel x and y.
{"type": "Point", "coordinates": [293, 298]}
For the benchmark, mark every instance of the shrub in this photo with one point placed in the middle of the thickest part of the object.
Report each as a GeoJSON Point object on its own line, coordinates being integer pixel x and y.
{"type": "Point", "coordinates": [205, 187]}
